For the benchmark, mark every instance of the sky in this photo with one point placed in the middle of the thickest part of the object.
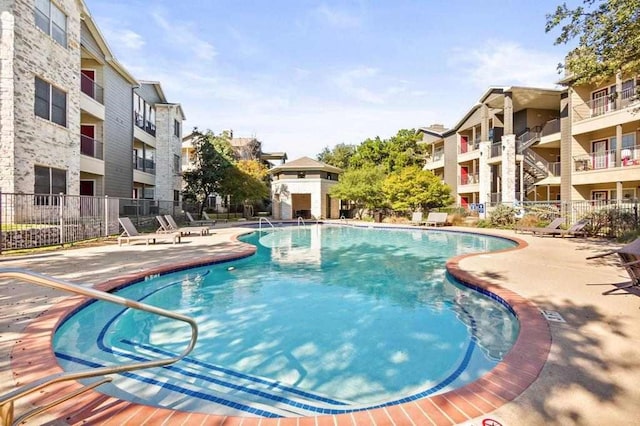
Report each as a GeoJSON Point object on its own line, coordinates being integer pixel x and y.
{"type": "Point", "coordinates": [301, 75]}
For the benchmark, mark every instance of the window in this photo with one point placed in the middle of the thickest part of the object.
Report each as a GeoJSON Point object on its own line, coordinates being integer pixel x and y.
{"type": "Point", "coordinates": [302, 175]}
{"type": "Point", "coordinates": [176, 197]}
{"type": "Point", "coordinates": [49, 181]}
{"type": "Point", "coordinates": [50, 19]}
{"type": "Point", "coordinates": [176, 163]}
{"type": "Point", "coordinates": [50, 102]}
{"type": "Point", "coordinates": [176, 128]}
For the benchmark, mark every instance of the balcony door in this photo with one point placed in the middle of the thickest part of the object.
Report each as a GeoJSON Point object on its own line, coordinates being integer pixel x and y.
{"type": "Point", "coordinates": [599, 102]}
{"type": "Point", "coordinates": [600, 154]}
{"type": "Point", "coordinates": [464, 175]}
{"type": "Point", "coordinates": [464, 144]}
{"type": "Point", "coordinates": [87, 187]}
{"type": "Point", "coordinates": [87, 137]}
{"type": "Point", "coordinates": [87, 82]}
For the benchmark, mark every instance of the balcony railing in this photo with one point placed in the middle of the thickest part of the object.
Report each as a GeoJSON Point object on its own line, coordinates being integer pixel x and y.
{"type": "Point", "coordinates": [606, 104]}
{"type": "Point", "coordinates": [554, 169]}
{"type": "Point", "coordinates": [91, 147]}
{"type": "Point", "coordinates": [607, 159]}
{"type": "Point", "coordinates": [496, 149]}
{"type": "Point", "coordinates": [437, 156]}
{"type": "Point", "coordinates": [470, 179]}
{"type": "Point", "coordinates": [145, 125]}
{"type": "Point", "coordinates": [91, 88]}
{"type": "Point", "coordinates": [144, 165]}
{"type": "Point", "coordinates": [469, 147]}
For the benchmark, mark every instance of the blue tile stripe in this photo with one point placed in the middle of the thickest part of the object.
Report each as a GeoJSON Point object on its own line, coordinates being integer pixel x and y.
{"type": "Point", "coordinates": [209, 366]}
{"type": "Point", "coordinates": [175, 388]}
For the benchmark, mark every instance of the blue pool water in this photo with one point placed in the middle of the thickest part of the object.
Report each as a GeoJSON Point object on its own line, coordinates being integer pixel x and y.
{"type": "Point", "coordinates": [323, 319]}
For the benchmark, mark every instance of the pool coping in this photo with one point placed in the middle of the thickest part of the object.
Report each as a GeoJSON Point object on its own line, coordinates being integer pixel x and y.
{"type": "Point", "coordinates": [33, 357]}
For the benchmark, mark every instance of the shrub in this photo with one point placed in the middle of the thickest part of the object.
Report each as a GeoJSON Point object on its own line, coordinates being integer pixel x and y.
{"type": "Point", "coordinates": [503, 216]}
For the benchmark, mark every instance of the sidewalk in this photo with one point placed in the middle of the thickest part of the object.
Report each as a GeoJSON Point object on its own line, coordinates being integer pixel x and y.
{"type": "Point", "coordinates": [593, 370]}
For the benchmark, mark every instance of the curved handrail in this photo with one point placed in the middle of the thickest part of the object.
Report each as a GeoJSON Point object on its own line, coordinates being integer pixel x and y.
{"type": "Point", "coordinates": [45, 281]}
{"type": "Point", "coordinates": [266, 220]}
{"type": "Point", "coordinates": [301, 220]}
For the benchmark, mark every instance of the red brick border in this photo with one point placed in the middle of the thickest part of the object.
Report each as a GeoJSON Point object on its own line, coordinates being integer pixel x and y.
{"type": "Point", "coordinates": [33, 358]}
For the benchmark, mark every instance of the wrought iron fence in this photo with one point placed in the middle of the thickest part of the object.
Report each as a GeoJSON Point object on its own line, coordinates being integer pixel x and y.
{"type": "Point", "coordinates": [35, 220]}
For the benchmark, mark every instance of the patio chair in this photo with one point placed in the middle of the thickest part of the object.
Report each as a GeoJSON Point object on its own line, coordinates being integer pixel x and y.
{"type": "Point", "coordinates": [629, 259]}
{"type": "Point", "coordinates": [575, 230]}
{"type": "Point", "coordinates": [416, 219]}
{"type": "Point", "coordinates": [555, 224]}
{"type": "Point", "coordinates": [130, 234]}
{"type": "Point", "coordinates": [204, 222]}
{"type": "Point", "coordinates": [436, 219]}
{"type": "Point", "coordinates": [173, 226]}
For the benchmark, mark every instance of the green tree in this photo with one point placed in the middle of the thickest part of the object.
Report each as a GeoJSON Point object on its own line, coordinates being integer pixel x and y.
{"type": "Point", "coordinates": [246, 182]}
{"type": "Point", "coordinates": [370, 153]}
{"type": "Point", "coordinates": [403, 150]}
{"type": "Point", "coordinates": [363, 186]}
{"type": "Point", "coordinates": [608, 38]}
{"type": "Point", "coordinates": [339, 156]}
{"type": "Point", "coordinates": [412, 188]}
{"type": "Point", "coordinates": [210, 167]}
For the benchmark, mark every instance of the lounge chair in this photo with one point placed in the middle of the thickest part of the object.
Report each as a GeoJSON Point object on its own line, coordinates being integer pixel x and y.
{"type": "Point", "coordinates": [173, 226]}
{"type": "Point", "coordinates": [204, 222]}
{"type": "Point", "coordinates": [416, 219]}
{"type": "Point", "coordinates": [555, 224]}
{"type": "Point", "coordinates": [629, 260]}
{"type": "Point", "coordinates": [577, 229]}
{"type": "Point", "coordinates": [436, 219]}
{"type": "Point", "coordinates": [130, 233]}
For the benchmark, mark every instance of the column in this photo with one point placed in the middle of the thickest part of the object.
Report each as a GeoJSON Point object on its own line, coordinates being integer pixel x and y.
{"type": "Point", "coordinates": [484, 172]}
{"type": "Point", "coordinates": [508, 113]}
{"type": "Point", "coordinates": [508, 168]}
{"type": "Point", "coordinates": [618, 155]}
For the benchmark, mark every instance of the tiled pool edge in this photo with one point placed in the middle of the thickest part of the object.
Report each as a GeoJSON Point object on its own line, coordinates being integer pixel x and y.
{"type": "Point", "coordinates": [32, 357]}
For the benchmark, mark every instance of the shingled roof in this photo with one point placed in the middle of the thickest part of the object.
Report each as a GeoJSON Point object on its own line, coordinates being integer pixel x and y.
{"type": "Point", "coordinates": [305, 163]}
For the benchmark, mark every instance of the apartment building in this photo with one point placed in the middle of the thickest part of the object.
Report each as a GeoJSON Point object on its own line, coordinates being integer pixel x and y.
{"type": "Point", "coordinates": [67, 110]}
{"type": "Point", "coordinates": [599, 146]}
{"type": "Point", "coordinates": [504, 149]}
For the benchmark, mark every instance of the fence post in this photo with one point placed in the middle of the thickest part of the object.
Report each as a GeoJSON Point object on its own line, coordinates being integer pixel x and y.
{"type": "Point", "coordinates": [106, 215]}
{"type": "Point", "coordinates": [61, 213]}
{"type": "Point", "coordinates": [0, 221]}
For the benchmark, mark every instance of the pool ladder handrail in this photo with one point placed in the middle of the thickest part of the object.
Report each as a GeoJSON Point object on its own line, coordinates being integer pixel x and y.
{"type": "Point", "coordinates": [265, 220]}
{"type": "Point", "coordinates": [7, 400]}
{"type": "Point", "coordinates": [301, 221]}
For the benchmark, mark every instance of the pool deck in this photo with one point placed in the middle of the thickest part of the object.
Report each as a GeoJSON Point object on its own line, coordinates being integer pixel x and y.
{"type": "Point", "coordinates": [590, 376]}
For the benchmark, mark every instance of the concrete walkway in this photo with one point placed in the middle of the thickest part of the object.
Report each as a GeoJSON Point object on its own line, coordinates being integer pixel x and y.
{"type": "Point", "coordinates": [592, 375]}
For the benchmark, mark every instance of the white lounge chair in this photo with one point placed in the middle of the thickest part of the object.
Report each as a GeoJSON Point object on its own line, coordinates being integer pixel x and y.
{"type": "Point", "coordinates": [171, 225]}
{"type": "Point", "coordinates": [436, 219]}
{"type": "Point", "coordinates": [206, 222]}
{"type": "Point", "coordinates": [416, 219]}
{"type": "Point", "coordinates": [130, 234]}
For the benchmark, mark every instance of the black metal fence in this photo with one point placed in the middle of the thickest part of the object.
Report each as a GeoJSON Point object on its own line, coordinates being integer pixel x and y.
{"type": "Point", "coordinates": [34, 220]}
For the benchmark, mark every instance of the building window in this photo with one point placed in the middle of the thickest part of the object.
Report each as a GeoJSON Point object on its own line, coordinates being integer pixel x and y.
{"type": "Point", "coordinates": [176, 163]}
{"type": "Point", "coordinates": [302, 175]}
{"type": "Point", "coordinates": [50, 19]}
{"type": "Point", "coordinates": [176, 197]}
{"type": "Point", "coordinates": [144, 115]}
{"type": "Point", "coordinates": [176, 128]}
{"type": "Point", "coordinates": [50, 102]}
{"type": "Point", "coordinates": [49, 182]}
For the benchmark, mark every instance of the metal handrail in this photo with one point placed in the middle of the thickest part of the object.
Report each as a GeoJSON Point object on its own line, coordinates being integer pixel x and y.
{"type": "Point", "coordinates": [6, 401]}
{"type": "Point", "coordinates": [301, 220]}
{"type": "Point", "coordinates": [266, 220]}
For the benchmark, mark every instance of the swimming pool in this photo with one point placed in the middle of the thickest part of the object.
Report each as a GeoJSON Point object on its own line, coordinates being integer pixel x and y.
{"type": "Point", "coordinates": [321, 320]}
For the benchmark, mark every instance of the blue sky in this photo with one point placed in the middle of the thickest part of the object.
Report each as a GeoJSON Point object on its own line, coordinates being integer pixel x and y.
{"type": "Point", "coordinates": [302, 75]}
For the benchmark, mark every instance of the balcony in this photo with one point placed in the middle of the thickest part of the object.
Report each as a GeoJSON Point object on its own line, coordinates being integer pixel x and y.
{"type": "Point", "coordinates": [550, 127]}
{"type": "Point", "coordinates": [145, 125]}
{"type": "Point", "coordinates": [91, 89]}
{"type": "Point", "coordinates": [607, 159]}
{"type": "Point", "coordinates": [606, 104]}
{"type": "Point", "coordinates": [496, 149]}
{"type": "Point", "coordinates": [144, 165]}
{"type": "Point", "coordinates": [91, 147]}
{"type": "Point", "coordinates": [470, 179]}
{"type": "Point", "coordinates": [435, 161]}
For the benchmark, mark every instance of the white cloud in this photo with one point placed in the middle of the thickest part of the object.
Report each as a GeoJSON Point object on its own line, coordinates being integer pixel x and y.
{"type": "Point", "coordinates": [337, 18]}
{"type": "Point", "coordinates": [350, 82]}
{"type": "Point", "coordinates": [128, 39]}
{"type": "Point", "coordinates": [498, 63]}
{"type": "Point", "coordinates": [185, 36]}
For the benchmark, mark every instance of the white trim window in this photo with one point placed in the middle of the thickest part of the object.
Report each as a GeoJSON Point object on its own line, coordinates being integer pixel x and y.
{"type": "Point", "coordinates": [50, 19]}
{"type": "Point", "coordinates": [48, 183]}
{"type": "Point", "coordinates": [50, 102]}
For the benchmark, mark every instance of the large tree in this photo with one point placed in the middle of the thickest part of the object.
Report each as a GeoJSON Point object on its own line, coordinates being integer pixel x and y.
{"type": "Point", "coordinates": [363, 186]}
{"type": "Point", "coordinates": [210, 167]}
{"type": "Point", "coordinates": [608, 38]}
{"type": "Point", "coordinates": [412, 188]}
{"type": "Point", "coordinates": [339, 156]}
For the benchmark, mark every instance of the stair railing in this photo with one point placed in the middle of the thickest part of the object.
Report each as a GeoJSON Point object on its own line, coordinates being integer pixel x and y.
{"type": "Point", "coordinates": [7, 400]}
